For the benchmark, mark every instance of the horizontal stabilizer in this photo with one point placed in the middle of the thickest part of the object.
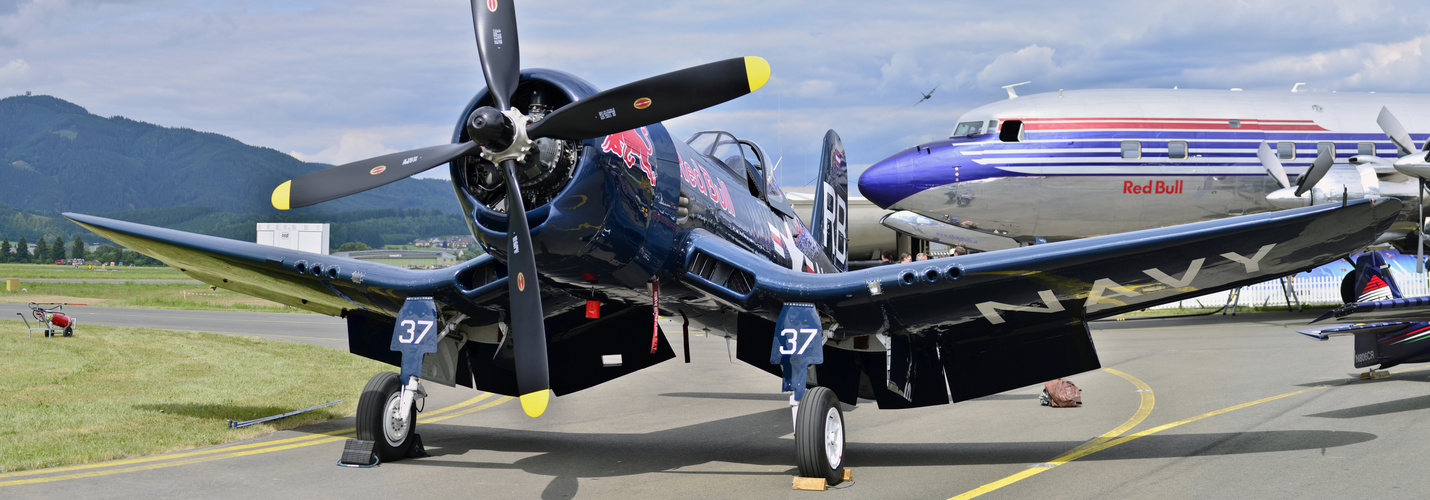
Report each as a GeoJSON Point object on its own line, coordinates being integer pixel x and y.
{"type": "Point", "coordinates": [1356, 329]}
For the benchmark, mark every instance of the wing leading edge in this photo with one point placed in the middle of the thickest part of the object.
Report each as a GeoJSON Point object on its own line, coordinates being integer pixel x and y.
{"type": "Point", "coordinates": [320, 283]}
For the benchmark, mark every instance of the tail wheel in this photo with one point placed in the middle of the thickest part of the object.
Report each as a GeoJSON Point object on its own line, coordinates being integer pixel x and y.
{"type": "Point", "coordinates": [377, 417]}
{"type": "Point", "coordinates": [819, 436]}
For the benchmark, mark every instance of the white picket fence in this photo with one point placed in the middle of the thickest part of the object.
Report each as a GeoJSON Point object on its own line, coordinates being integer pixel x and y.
{"type": "Point", "coordinates": [1310, 290]}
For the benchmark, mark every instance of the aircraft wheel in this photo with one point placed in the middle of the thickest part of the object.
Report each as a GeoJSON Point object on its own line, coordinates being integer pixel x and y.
{"type": "Point", "coordinates": [69, 331]}
{"type": "Point", "coordinates": [376, 422]}
{"type": "Point", "coordinates": [1348, 287]}
{"type": "Point", "coordinates": [819, 436]}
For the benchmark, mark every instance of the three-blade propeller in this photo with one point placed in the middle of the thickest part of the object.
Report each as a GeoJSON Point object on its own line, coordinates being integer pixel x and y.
{"type": "Point", "coordinates": [501, 134]}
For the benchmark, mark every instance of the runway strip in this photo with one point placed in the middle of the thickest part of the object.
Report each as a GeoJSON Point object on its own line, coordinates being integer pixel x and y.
{"type": "Point", "coordinates": [1106, 441]}
{"type": "Point", "coordinates": [172, 460]}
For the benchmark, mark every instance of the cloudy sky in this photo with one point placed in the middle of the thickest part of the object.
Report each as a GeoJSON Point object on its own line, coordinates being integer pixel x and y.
{"type": "Point", "coordinates": [337, 81]}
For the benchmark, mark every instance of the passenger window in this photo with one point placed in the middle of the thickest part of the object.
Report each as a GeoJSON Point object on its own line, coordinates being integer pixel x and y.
{"type": "Point", "coordinates": [992, 126]}
{"type": "Point", "coordinates": [1286, 150]}
{"type": "Point", "coordinates": [1365, 148]}
{"type": "Point", "coordinates": [1131, 150]}
{"type": "Point", "coordinates": [1012, 131]}
{"type": "Point", "coordinates": [1328, 148]}
{"type": "Point", "coordinates": [1177, 150]}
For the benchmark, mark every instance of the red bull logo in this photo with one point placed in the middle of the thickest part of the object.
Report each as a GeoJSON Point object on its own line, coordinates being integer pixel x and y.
{"type": "Point", "coordinates": [1152, 187]}
{"type": "Point", "coordinates": [635, 148]}
{"type": "Point", "coordinates": [377, 170]}
{"type": "Point", "coordinates": [642, 103]}
{"type": "Point", "coordinates": [491, 5]}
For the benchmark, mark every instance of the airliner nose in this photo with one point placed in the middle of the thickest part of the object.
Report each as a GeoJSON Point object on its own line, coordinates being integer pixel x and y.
{"type": "Point", "coordinates": [894, 178]}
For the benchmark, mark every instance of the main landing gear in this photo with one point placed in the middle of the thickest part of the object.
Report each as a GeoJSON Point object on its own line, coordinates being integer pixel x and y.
{"type": "Point", "coordinates": [819, 436]}
{"type": "Point", "coordinates": [380, 419]}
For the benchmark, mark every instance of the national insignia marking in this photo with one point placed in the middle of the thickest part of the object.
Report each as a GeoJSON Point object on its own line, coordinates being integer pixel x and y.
{"type": "Point", "coordinates": [377, 170]}
{"type": "Point", "coordinates": [642, 103]}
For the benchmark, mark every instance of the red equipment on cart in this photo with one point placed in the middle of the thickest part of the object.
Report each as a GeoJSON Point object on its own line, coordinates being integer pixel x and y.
{"type": "Point", "coordinates": [49, 319]}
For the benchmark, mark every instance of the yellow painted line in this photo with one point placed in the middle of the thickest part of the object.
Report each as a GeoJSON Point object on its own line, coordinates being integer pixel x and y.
{"type": "Point", "coordinates": [1085, 450]}
{"type": "Point", "coordinates": [230, 451]}
{"type": "Point", "coordinates": [1144, 408]}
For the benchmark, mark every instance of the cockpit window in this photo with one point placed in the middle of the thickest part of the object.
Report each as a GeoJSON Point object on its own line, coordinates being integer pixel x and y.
{"type": "Point", "coordinates": [721, 147]}
{"type": "Point", "coordinates": [968, 128]}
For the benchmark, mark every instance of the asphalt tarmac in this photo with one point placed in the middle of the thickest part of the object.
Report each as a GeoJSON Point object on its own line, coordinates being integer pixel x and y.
{"type": "Point", "coordinates": [1208, 407]}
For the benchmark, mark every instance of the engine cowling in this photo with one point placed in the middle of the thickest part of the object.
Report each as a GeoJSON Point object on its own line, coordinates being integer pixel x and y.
{"type": "Point", "coordinates": [578, 193]}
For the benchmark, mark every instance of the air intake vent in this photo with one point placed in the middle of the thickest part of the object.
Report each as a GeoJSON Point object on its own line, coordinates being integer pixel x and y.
{"type": "Point", "coordinates": [476, 277]}
{"type": "Point", "coordinates": [720, 273]}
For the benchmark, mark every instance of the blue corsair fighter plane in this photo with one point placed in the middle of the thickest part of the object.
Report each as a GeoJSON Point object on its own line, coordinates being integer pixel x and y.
{"type": "Point", "coordinates": [596, 220]}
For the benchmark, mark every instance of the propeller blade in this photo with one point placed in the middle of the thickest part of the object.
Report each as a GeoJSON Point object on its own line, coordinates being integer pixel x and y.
{"type": "Point", "coordinates": [528, 329]}
{"type": "Point", "coordinates": [359, 176]}
{"type": "Point", "coordinates": [1395, 131]}
{"type": "Point", "coordinates": [654, 99]}
{"type": "Point", "coordinates": [495, 22]}
{"type": "Point", "coordinates": [1272, 163]}
{"type": "Point", "coordinates": [1318, 169]}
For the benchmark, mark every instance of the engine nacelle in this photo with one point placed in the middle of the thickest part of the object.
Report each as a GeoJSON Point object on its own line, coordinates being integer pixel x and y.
{"type": "Point", "coordinates": [1341, 183]}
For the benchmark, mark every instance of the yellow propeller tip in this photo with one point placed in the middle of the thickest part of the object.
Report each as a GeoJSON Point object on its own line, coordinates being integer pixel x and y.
{"type": "Point", "coordinates": [757, 69]}
{"type": "Point", "coordinates": [534, 403]}
{"type": "Point", "coordinates": [280, 195]}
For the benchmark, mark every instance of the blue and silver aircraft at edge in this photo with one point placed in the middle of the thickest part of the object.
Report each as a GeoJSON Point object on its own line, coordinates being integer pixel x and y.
{"type": "Point", "coordinates": [1063, 165]}
{"type": "Point", "coordinates": [626, 223]}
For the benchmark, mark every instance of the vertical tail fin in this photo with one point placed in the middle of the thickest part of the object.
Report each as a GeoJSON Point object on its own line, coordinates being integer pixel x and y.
{"type": "Point", "coordinates": [831, 203]}
{"type": "Point", "coordinates": [1373, 280]}
{"type": "Point", "coordinates": [1367, 350]}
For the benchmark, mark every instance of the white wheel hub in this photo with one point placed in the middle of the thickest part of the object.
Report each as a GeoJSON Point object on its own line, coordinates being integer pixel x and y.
{"type": "Point", "coordinates": [833, 438]}
{"type": "Point", "coordinates": [394, 424]}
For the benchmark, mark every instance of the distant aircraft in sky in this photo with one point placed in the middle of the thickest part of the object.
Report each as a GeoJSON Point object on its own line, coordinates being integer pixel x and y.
{"type": "Point", "coordinates": [1064, 165]}
{"type": "Point", "coordinates": [927, 95]}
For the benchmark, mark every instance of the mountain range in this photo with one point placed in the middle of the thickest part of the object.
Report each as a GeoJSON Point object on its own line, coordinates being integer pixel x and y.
{"type": "Point", "coordinates": [57, 157]}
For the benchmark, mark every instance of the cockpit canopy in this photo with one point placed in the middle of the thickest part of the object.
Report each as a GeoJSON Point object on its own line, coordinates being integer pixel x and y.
{"type": "Point", "coordinates": [745, 160]}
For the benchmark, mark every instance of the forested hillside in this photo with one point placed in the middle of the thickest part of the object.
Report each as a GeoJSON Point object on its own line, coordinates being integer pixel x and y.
{"type": "Point", "coordinates": [57, 157]}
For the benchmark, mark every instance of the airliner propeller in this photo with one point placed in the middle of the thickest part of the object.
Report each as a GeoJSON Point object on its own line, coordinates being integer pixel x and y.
{"type": "Point", "coordinates": [1412, 163]}
{"type": "Point", "coordinates": [504, 135]}
{"type": "Point", "coordinates": [1272, 164]}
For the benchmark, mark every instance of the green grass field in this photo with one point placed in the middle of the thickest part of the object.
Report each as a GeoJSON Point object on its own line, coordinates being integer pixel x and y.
{"type": "Point", "coordinates": [52, 271]}
{"type": "Point", "coordinates": [115, 392]}
{"type": "Point", "coordinates": [141, 295]}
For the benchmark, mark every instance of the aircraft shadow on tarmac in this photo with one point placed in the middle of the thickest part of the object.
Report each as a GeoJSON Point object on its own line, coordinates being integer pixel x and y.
{"type": "Point", "coordinates": [1376, 409]}
{"type": "Point", "coordinates": [1415, 403]}
{"type": "Point", "coordinates": [759, 439]}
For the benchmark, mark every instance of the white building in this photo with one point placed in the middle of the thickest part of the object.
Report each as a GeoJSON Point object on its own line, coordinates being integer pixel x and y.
{"type": "Point", "coordinates": [303, 237]}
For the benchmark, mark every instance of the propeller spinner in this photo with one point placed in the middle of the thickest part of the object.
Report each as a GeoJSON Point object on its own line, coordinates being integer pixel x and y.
{"type": "Point", "coordinates": [504, 136]}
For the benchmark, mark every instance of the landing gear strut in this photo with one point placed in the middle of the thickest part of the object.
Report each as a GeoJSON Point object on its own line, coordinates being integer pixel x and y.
{"type": "Point", "coordinates": [819, 436]}
{"type": "Point", "coordinates": [379, 418]}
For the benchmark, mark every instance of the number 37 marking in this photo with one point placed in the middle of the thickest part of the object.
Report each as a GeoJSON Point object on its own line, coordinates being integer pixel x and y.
{"type": "Point", "coordinates": [791, 340]}
{"type": "Point", "coordinates": [412, 337]}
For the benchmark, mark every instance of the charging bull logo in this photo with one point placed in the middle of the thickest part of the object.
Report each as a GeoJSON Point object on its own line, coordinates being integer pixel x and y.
{"type": "Point", "coordinates": [635, 148]}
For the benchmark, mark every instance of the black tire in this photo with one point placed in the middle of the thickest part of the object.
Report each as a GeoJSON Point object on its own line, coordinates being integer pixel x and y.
{"type": "Point", "coordinates": [69, 331]}
{"type": "Point", "coordinates": [815, 440]}
{"type": "Point", "coordinates": [1348, 287]}
{"type": "Point", "coordinates": [379, 400]}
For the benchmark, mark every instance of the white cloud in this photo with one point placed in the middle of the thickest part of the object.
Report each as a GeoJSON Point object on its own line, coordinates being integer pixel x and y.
{"type": "Point", "coordinates": [1029, 63]}
{"type": "Point", "coordinates": [15, 72]}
